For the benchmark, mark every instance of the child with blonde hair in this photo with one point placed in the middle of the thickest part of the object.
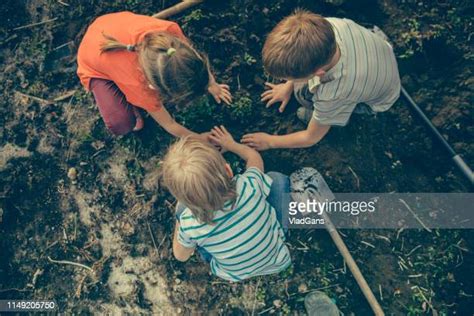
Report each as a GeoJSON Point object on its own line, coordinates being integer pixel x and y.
{"type": "Point", "coordinates": [233, 221]}
{"type": "Point", "coordinates": [335, 67]}
{"type": "Point", "coordinates": [132, 61]}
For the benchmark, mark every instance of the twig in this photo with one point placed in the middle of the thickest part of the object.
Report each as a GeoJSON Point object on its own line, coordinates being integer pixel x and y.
{"type": "Point", "coordinates": [62, 45]}
{"type": "Point", "coordinates": [367, 244]}
{"type": "Point", "coordinates": [80, 265]}
{"type": "Point", "coordinates": [414, 215]}
{"type": "Point", "coordinates": [40, 100]}
{"type": "Point", "coordinates": [266, 310]}
{"type": "Point", "coordinates": [255, 297]}
{"type": "Point", "coordinates": [355, 176]}
{"type": "Point", "coordinates": [34, 24]}
{"type": "Point", "coordinates": [177, 8]}
{"type": "Point", "coordinates": [162, 241]}
{"type": "Point", "coordinates": [152, 237]}
{"type": "Point", "coordinates": [413, 250]}
{"type": "Point", "coordinates": [15, 289]}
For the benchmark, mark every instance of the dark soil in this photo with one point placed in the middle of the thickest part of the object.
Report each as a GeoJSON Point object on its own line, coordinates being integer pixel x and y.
{"type": "Point", "coordinates": [115, 219]}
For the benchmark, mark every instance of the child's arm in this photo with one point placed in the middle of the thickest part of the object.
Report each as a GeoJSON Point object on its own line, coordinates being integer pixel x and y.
{"type": "Point", "coordinates": [220, 92]}
{"type": "Point", "coordinates": [278, 93]}
{"type": "Point", "coordinates": [180, 252]}
{"type": "Point", "coordinates": [163, 117]}
{"type": "Point", "coordinates": [221, 137]}
{"type": "Point", "coordinates": [307, 138]}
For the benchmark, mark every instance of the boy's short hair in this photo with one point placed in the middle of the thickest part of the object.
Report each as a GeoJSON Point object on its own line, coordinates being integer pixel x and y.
{"type": "Point", "coordinates": [195, 173]}
{"type": "Point", "coordinates": [299, 45]}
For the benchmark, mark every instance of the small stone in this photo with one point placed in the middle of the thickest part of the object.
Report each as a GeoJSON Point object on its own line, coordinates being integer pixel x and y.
{"type": "Point", "coordinates": [302, 288]}
{"type": "Point", "coordinates": [177, 281]}
{"type": "Point", "coordinates": [72, 173]}
{"type": "Point", "coordinates": [277, 303]}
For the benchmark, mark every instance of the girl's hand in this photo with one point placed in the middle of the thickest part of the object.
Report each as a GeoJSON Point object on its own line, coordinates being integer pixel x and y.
{"type": "Point", "coordinates": [258, 141]}
{"type": "Point", "coordinates": [220, 92]}
{"type": "Point", "coordinates": [222, 138]}
{"type": "Point", "coordinates": [278, 93]}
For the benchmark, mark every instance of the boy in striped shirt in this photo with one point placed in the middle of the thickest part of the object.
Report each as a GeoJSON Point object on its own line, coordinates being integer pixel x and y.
{"type": "Point", "coordinates": [234, 222]}
{"type": "Point", "coordinates": [332, 65]}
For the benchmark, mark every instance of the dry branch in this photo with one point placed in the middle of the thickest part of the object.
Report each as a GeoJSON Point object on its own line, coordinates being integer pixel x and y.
{"type": "Point", "coordinates": [34, 24]}
{"type": "Point", "coordinates": [80, 265]}
{"type": "Point", "coordinates": [177, 8]}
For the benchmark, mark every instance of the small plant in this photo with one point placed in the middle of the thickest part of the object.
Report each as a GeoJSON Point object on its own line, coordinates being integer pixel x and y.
{"type": "Point", "coordinates": [202, 115]}
{"type": "Point", "coordinates": [249, 59]}
{"type": "Point", "coordinates": [242, 108]}
{"type": "Point", "coordinates": [195, 15]}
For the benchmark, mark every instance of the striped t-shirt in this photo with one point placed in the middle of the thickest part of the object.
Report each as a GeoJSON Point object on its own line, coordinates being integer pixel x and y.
{"type": "Point", "coordinates": [246, 239]}
{"type": "Point", "coordinates": [366, 72]}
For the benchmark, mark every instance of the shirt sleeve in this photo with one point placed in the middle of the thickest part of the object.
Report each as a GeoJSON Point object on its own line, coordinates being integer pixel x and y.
{"type": "Point", "coordinates": [185, 240]}
{"type": "Point", "coordinates": [259, 180]}
{"type": "Point", "coordinates": [333, 112]}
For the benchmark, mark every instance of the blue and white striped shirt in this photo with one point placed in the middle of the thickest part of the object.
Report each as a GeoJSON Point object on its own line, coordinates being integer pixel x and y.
{"type": "Point", "coordinates": [246, 239]}
{"type": "Point", "coordinates": [366, 72]}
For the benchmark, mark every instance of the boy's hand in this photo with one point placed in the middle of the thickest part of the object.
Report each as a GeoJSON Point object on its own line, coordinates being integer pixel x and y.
{"type": "Point", "coordinates": [258, 141]}
{"type": "Point", "coordinates": [278, 93]}
{"type": "Point", "coordinates": [220, 92]}
{"type": "Point", "coordinates": [222, 138]}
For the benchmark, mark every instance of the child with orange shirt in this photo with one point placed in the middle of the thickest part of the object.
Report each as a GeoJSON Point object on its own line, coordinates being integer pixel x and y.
{"type": "Point", "coordinates": [132, 61]}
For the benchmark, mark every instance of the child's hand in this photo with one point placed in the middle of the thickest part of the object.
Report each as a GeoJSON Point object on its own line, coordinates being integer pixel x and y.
{"type": "Point", "coordinates": [258, 141]}
{"type": "Point", "coordinates": [278, 93]}
{"type": "Point", "coordinates": [222, 138]}
{"type": "Point", "coordinates": [220, 92]}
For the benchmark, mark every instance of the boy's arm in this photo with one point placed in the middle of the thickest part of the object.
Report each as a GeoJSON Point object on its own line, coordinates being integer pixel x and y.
{"type": "Point", "coordinates": [250, 155]}
{"type": "Point", "coordinates": [307, 138]}
{"type": "Point", "coordinates": [221, 137]}
{"type": "Point", "coordinates": [180, 252]}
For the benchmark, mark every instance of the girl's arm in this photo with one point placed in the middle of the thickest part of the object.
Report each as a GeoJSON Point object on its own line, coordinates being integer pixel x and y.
{"type": "Point", "coordinates": [220, 92]}
{"type": "Point", "coordinates": [163, 117]}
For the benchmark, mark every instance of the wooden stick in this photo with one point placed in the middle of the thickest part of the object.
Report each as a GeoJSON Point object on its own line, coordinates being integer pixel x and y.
{"type": "Point", "coordinates": [341, 246]}
{"type": "Point", "coordinates": [80, 265]}
{"type": "Point", "coordinates": [336, 238]}
{"type": "Point", "coordinates": [177, 8]}
{"type": "Point", "coordinates": [34, 24]}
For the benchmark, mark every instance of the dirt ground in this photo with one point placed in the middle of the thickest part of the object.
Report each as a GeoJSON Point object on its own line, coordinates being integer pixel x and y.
{"type": "Point", "coordinates": [112, 216]}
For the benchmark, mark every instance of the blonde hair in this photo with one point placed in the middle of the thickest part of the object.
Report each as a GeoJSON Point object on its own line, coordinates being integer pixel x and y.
{"type": "Point", "coordinates": [171, 65]}
{"type": "Point", "coordinates": [195, 173]}
{"type": "Point", "coordinates": [299, 45]}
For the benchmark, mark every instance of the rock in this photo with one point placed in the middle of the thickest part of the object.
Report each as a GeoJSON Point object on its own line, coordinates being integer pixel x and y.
{"type": "Point", "coordinates": [72, 173]}
{"type": "Point", "coordinates": [277, 303]}
{"type": "Point", "coordinates": [302, 288]}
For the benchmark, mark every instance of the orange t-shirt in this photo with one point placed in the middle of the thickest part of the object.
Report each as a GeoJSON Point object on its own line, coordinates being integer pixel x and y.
{"type": "Point", "coordinates": [122, 67]}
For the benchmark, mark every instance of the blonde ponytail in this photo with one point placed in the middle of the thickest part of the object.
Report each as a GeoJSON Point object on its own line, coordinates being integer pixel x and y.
{"type": "Point", "coordinates": [111, 44]}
